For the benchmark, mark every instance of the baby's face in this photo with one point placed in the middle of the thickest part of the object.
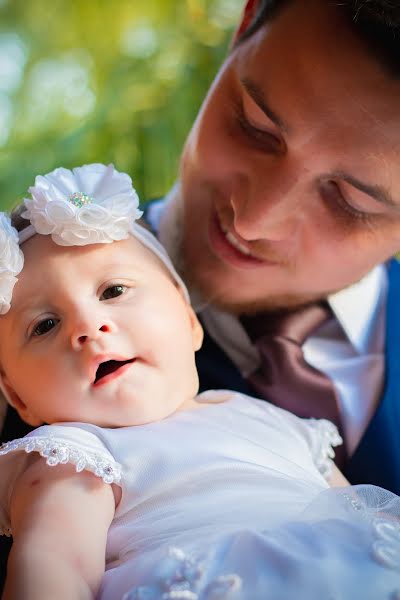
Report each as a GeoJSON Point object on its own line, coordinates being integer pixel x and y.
{"type": "Point", "coordinates": [97, 334]}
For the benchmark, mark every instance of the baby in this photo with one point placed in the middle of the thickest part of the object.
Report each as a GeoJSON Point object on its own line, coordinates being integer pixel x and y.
{"type": "Point", "coordinates": [136, 488]}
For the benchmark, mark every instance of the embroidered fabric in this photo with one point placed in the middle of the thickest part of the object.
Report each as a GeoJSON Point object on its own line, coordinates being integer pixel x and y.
{"type": "Point", "coordinates": [183, 579]}
{"type": "Point", "coordinates": [386, 530]}
{"type": "Point", "coordinates": [57, 452]}
{"type": "Point", "coordinates": [385, 525]}
{"type": "Point", "coordinates": [325, 442]}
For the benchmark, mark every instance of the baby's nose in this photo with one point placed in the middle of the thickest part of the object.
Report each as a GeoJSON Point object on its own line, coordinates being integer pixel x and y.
{"type": "Point", "coordinates": [86, 334]}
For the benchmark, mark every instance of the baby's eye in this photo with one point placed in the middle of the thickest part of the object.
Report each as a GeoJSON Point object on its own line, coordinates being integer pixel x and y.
{"type": "Point", "coordinates": [112, 292]}
{"type": "Point", "coordinates": [44, 326]}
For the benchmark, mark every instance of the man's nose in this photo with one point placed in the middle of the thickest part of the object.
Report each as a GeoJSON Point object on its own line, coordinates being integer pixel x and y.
{"type": "Point", "coordinates": [88, 329]}
{"type": "Point", "coordinates": [270, 210]}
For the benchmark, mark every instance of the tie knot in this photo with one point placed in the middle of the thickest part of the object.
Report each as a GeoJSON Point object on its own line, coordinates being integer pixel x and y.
{"type": "Point", "coordinates": [295, 325]}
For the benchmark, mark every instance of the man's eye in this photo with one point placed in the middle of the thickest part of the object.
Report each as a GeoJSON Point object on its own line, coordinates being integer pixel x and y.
{"type": "Point", "coordinates": [263, 138]}
{"type": "Point", "coordinates": [44, 327]}
{"type": "Point", "coordinates": [113, 292]}
{"type": "Point", "coordinates": [336, 201]}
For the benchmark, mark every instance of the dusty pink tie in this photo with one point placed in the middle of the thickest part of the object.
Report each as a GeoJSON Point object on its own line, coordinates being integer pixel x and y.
{"type": "Point", "coordinates": [283, 377]}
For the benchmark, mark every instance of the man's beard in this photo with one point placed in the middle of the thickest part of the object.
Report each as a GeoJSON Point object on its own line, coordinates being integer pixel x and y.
{"type": "Point", "coordinates": [203, 295]}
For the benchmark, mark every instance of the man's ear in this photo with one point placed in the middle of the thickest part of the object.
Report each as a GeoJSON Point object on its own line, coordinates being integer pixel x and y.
{"type": "Point", "coordinates": [248, 15]}
{"type": "Point", "coordinates": [24, 412]}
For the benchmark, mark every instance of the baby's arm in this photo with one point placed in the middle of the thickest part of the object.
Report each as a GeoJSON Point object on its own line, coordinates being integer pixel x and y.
{"type": "Point", "coordinates": [59, 520]}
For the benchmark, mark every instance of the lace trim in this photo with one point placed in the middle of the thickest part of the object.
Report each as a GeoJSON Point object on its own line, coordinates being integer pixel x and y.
{"type": "Point", "coordinates": [328, 438]}
{"type": "Point", "coordinates": [386, 532]}
{"type": "Point", "coordinates": [56, 452]}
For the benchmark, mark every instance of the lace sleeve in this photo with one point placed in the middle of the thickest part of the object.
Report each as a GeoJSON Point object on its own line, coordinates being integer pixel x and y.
{"type": "Point", "coordinates": [58, 446]}
{"type": "Point", "coordinates": [58, 452]}
{"type": "Point", "coordinates": [325, 437]}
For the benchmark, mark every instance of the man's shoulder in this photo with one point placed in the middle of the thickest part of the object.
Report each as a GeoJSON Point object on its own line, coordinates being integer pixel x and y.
{"type": "Point", "coordinates": [152, 211]}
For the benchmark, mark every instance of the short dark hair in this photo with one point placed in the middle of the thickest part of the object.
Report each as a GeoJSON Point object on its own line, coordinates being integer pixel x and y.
{"type": "Point", "coordinates": [376, 22]}
{"type": "Point", "coordinates": [17, 220]}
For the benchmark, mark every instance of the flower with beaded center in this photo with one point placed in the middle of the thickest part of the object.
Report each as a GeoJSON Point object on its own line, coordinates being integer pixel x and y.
{"type": "Point", "coordinates": [11, 261]}
{"type": "Point", "coordinates": [89, 205]}
{"type": "Point", "coordinates": [79, 199]}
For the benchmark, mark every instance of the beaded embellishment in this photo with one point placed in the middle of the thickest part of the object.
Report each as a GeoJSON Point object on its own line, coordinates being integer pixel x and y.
{"type": "Point", "coordinates": [79, 199]}
{"type": "Point", "coordinates": [182, 580]}
{"type": "Point", "coordinates": [56, 452]}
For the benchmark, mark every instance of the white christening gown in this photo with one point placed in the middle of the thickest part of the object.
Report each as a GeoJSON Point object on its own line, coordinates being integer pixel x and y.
{"type": "Point", "coordinates": [228, 501]}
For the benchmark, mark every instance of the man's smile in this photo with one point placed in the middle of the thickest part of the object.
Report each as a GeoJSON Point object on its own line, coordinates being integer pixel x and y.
{"type": "Point", "coordinates": [230, 248]}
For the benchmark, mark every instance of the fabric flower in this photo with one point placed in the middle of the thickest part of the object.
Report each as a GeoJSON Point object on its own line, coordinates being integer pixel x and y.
{"type": "Point", "coordinates": [11, 261]}
{"type": "Point", "coordinates": [88, 205]}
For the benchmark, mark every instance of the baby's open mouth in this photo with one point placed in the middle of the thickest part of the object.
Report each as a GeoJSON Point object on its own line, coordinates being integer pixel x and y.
{"type": "Point", "coordinates": [110, 366]}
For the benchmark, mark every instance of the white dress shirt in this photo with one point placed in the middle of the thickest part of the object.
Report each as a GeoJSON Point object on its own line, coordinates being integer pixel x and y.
{"type": "Point", "coordinates": [349, 349]}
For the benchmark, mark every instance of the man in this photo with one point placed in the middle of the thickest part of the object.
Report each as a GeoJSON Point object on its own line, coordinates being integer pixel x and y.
{"type": "Point", "coordinates": [289, 194]}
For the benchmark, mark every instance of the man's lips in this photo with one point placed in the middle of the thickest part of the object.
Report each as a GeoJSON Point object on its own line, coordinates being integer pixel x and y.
{"type": "Point", "coordinates": [228, 247]}
{"type": "Point", "coordinates": [110, 369]}
{"type": "Point", "coordinates": [236, 243]}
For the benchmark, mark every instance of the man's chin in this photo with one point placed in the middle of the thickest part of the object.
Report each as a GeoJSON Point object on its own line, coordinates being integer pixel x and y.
{"type": "Point", "coordinates": [270, 304]}
{"type": "Point", "coordinates": [233, 303]}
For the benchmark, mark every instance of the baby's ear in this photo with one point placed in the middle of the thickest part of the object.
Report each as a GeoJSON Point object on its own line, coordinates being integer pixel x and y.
{"type": "Point", "coordinates": [197, 330]}
{"type": "Point", "coordinates": [22, 409]}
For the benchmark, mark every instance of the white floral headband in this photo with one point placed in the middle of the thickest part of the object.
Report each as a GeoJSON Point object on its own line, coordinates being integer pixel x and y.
{"type": "Point", "coordinates": [92, 204]}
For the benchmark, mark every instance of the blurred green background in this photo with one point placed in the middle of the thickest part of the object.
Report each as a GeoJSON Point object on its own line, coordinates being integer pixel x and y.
{"type": "Point", "coordinates": [104, 81]}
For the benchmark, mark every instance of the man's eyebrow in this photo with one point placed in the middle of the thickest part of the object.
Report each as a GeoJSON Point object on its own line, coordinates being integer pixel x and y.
{"type": "Point", "coordinates": [258, 96]}
{"type": "Point", "coordinates": [377, 192]}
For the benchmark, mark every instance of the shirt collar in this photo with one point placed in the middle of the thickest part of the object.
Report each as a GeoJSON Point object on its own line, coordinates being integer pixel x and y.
{"type": "Point", "coordinates": [359, 310]}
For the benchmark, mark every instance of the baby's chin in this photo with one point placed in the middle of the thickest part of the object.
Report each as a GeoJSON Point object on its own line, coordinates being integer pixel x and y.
{"type": "Point", "coordinates": [127, 416]}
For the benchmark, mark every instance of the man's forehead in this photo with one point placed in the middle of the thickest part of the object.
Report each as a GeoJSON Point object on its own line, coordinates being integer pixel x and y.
{"type": "Point", "coordinates": [302, 44]}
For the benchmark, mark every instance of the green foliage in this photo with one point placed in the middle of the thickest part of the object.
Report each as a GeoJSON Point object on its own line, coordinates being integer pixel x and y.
{"type": "Point", "coordinates": [104, 81]}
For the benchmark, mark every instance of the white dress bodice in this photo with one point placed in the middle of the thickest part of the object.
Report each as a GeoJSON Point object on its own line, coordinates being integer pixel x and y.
{"type": "Point", "coordinates": [195, 484]}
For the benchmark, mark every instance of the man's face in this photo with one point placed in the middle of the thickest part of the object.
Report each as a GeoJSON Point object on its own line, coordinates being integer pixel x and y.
{"type": "Point", "coordinates": [98, 334]}
{"type": "Point", "coordinates": [290, 176]}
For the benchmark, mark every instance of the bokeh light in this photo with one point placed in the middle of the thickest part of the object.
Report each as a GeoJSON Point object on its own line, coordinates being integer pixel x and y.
{"type": "Point", "coordinates": [103, 81]}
